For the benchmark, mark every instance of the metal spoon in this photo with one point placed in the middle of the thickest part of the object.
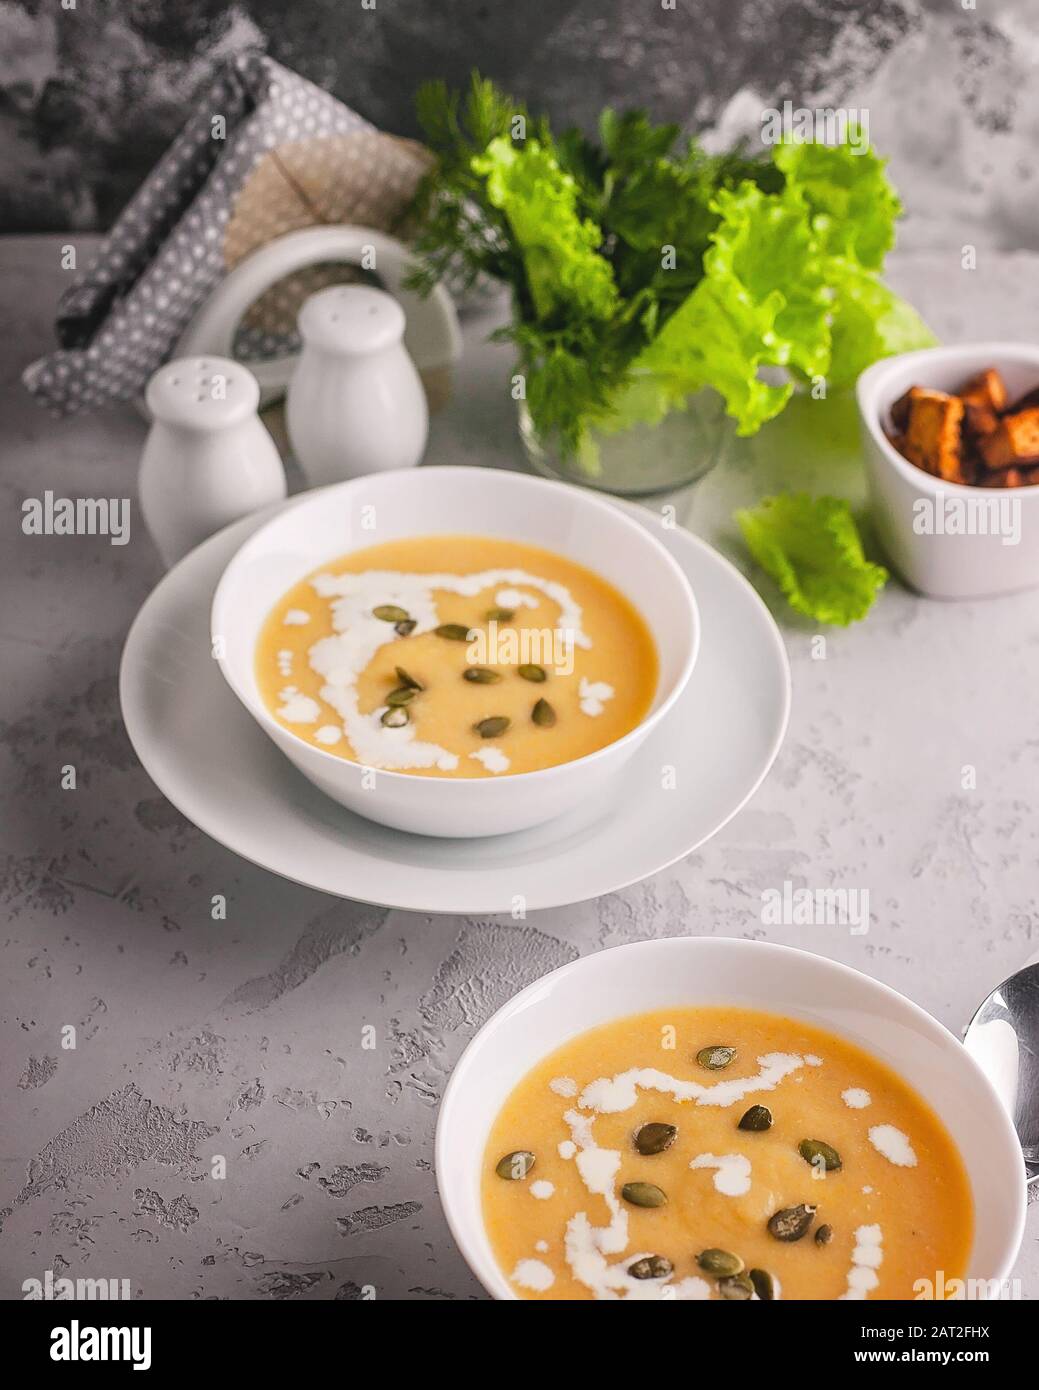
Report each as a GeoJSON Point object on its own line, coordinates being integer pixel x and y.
{"type": "Point", "coordinates": [1003, 1038]}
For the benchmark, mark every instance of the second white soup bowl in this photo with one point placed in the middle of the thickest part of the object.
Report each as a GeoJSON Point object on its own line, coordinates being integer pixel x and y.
{"type": "Point", "coordinates": [698, 971]}
{"type": "Point", "coordinates": [327, 523]}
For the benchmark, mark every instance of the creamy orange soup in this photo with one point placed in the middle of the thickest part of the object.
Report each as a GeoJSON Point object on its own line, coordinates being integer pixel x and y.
{"type": "Point", "coordinates": [721, 1153]}
{"type": "Point", "coordinates": [456, 656]}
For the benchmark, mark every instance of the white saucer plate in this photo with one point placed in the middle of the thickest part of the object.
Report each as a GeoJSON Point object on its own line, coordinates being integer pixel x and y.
{"type": "Point", "coordinates": [214, 763]}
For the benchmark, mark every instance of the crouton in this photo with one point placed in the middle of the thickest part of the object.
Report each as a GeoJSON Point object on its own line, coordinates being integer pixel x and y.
{"type": "Point", "coordinates": [971, 436]}
{"type": "Point", "coordinates": [987, 390]}
{"type": "Point", "coordinates": [971, 467]}
{"type": "Point", "coordinates": [900, 411]}
{"type": "Point", "coordinates": [1014, 443]}
{"type": "Point", "coordinates": [983, 397]}
{"type": "Point", "coordinates": [933, 433]}
{"type": "Point", "coordinates": [979, 420]}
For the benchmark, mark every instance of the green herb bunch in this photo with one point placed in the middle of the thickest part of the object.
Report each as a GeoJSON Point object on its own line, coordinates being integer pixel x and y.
{"type": "Point", "coordinates": [643, 269]}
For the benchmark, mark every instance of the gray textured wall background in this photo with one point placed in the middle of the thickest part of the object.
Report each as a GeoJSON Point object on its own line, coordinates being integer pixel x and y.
{"type": "Point", "coordinates": [90, 96]}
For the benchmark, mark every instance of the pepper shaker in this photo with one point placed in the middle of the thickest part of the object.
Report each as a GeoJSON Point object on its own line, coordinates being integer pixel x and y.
{"type": "Point", "coordinates": [208, 460]}
{"type": "Point", "coordinates": [356, 403]}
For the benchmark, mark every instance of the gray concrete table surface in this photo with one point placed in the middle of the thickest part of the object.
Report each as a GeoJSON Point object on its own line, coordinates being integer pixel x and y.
{"type": "Point", "coordinates": [242, 1038]}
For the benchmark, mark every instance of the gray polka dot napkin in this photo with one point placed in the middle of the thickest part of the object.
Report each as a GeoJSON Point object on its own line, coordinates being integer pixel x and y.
{"type": "Point", "coordinates": [264, 152]}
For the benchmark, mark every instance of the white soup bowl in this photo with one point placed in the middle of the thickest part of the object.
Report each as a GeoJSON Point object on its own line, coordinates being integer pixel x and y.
{"type": "Point", "coordinates": [700, 971]}
{"type": "Point", "coordinates": [324, 524]}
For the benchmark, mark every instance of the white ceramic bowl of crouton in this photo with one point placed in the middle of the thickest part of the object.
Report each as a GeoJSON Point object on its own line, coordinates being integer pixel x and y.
{"type": "Point", "coordinates": [949, 539]}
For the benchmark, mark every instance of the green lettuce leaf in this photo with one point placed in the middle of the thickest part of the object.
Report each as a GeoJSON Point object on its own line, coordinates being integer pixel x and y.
{"type": "Point", "coordinates": [870, 321]}
{"type": "Point", "coordinates": [763, 301]}
{"type": "Point", "coordinates": [789, 281]}
{"type": "Point", "coordinates": [851, 201]}
{"type": "Point", "coordinates": [565, 272]}
{"type": "Point", "coordinates": [853, 210]}
{"type": "Point", "coordinates": [811, 548]}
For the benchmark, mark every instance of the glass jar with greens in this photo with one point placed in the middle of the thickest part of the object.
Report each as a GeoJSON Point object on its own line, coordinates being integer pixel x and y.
{"type": "Point", "coordinates": [639, 460]}
{"type": "Point", "coordinates": [649, 277]}
{"type": "Point", "coordinates": [666, 300]}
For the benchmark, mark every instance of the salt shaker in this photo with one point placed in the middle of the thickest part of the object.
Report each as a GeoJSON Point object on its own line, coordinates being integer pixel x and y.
{"type": "Point", "coordinates": [355, 403]}
{"type": "Point", "coordinates": [208, 459]}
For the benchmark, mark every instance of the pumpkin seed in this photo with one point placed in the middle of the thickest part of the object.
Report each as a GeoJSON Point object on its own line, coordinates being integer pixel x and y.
{"type": "Point", "coordinates": [643, 1194]}
{"type": "Point", "coordinates": [403, 695]}
{"type": "Point", "coordinates": [736, 1286]}
{"type": "Point", "coordinates": [757, 1119]}
{"type": "Point", "coordinates": [824, 1235]}
{"type": "Point", "coordinates": [651, 1267]}
{"type": "Point", "coordinates": [543, 715]}
{"type": "Point", "coordinates": [407, 680]}
{"type": "Point", "coordinates": [390, 613]}
{"type": "Point", "coordinates": [654, 1138]}
{"type": "Point", "coordinates": [764, 1284]}
{"type": "Point", "coordinates": [480, 675]}
{"type": "Point", "coordinates": [515, 1165]}
{"type": "Point", "coordinates": [532, 673]}
{"type": "Point", "coordinates": [719, 1262]}
{"type": "Point", "coordinates": [714, 1058]}
{"type": "Point", "coordinates": [812, 1150]}
{"type": "Point", "coordinates": [454, 632]}
{"type": "Point", "coordinates": [492, 727]}
{"type": "Point", "coordinates": [395, 717]}
{"type": "Point", "coordinates": [500, 615]}
{"type": "Point", "coordinates": [791, 1223]}
{"type": "Point", "coordinates": [406, 627]}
